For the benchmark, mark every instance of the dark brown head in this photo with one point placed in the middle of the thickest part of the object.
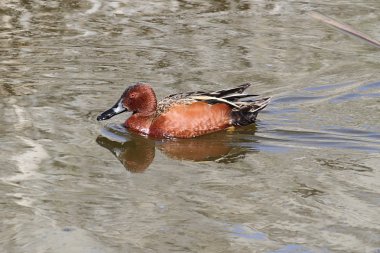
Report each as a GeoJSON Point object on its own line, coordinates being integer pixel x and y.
{"type": "Point", "coordinates": [139, 98]}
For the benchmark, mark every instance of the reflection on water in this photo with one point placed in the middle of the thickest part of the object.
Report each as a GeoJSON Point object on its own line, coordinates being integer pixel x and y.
{"type": "Point", "coordinates": [137, 152]}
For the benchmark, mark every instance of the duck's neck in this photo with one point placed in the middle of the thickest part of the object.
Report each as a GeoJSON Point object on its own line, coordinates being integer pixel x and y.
{"type": "Point", "coordinates": [148, 102]}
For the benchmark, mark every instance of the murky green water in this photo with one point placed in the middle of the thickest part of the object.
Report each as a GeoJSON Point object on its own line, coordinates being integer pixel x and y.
{"type": "Point", "coordinates": [306, 178]}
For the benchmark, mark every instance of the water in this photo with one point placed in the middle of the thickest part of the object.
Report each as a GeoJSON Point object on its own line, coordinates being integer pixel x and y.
{"type": "Point", "coordinates": [305, 178]}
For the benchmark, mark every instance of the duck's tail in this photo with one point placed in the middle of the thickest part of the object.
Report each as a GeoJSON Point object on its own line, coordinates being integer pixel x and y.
{"type": "Point", "coordinates": [248, 111]}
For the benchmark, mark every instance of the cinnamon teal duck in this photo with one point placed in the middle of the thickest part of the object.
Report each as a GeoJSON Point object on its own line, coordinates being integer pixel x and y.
{"type": "Point", "coordinates": [186, 115]}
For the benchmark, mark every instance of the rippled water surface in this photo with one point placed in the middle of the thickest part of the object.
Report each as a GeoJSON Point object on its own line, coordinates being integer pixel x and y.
{"type": "Point", "coordinates": [305, 178]}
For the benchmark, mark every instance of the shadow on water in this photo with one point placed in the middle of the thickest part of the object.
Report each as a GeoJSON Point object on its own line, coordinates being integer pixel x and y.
{"type": "Point", "coordinates": [137, 152]}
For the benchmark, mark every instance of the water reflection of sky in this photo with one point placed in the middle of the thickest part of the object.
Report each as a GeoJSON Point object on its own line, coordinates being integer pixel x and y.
{"type": "Point", "coordinates": [248, 233]}
{"type": "Point", "coordinates": [294, 248]}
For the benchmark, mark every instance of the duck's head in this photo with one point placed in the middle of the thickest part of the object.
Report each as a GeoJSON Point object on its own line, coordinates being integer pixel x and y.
{"type": "Point", "coordinates": [139, 98]}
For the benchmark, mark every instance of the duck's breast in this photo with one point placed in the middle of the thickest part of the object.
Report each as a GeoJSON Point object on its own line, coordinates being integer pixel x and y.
{"type": "Point", "coordinates": [138, 123]}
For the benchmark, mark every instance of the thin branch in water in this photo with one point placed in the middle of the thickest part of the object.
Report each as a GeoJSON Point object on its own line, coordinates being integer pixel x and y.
{"type": "Point", "coordinates": [344, 27]}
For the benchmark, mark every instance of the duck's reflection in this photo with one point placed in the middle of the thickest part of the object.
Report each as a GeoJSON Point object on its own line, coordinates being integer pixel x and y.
{"type": "Point", "coordinates": [137, 152]}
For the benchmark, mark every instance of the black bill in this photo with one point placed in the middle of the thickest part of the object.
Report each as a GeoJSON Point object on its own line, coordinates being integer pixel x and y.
{"type": "Point", "coordinates": [114, 110]}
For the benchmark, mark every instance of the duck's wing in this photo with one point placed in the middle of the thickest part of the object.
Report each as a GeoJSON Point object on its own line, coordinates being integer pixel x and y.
{"type": "Point", "coordinates": [232, 96]}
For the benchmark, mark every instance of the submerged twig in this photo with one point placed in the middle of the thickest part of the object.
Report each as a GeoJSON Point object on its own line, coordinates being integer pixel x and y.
{"type": "Point", "coordinates": [345, 28]}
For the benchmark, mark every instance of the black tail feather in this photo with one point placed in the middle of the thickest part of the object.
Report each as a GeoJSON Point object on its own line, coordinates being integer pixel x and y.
{"type": "Point", "coordinates": [247, 114]}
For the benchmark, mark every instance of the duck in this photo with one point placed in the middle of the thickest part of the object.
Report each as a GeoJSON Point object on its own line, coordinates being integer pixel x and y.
{"type": "Point", "coordinates": [187, 114]}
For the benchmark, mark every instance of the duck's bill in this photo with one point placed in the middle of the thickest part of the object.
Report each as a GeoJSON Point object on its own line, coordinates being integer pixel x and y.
{"type": "Point", "coordinates": [114, 110]}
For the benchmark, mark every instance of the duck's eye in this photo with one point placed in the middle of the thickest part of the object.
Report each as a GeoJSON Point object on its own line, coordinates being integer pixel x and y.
{"type": "Point", "coordinates": [133, 95]}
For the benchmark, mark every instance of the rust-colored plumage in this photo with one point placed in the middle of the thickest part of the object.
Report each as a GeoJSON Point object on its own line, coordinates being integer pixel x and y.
{"type": "Point", "coordinates": [185, 121]}
{"type": "Point", "coordinates": [186, 115]}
